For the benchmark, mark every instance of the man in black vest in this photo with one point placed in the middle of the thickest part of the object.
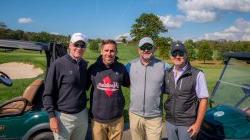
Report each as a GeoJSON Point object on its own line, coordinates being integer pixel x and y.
{"type": "Point", "coordinates": [187, 102]}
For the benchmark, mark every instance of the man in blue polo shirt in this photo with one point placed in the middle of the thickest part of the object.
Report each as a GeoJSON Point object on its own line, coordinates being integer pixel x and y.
{"type": "Point", "coordinates": [187, 102]}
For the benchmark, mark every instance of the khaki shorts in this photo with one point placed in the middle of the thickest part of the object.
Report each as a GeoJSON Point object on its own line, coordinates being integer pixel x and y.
{"type": "Point", "coordinates": [108, 131]}
{"type": "Point", "coordinates": [145, 128]}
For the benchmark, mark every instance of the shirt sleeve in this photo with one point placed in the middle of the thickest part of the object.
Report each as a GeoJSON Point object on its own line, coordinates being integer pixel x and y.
{"type": "Point", "coordinates": [89, 82]}
{"type": "Point", "coordinates": [167, 66]}
{"type": "Point", "coordinates": [128, 67]}
{"type": "Point", "coordinates": [50, 91]}
{"type": "Point", "coordinates": [126, 79]}
{"type": "Point", "coordinates": [201, 86]}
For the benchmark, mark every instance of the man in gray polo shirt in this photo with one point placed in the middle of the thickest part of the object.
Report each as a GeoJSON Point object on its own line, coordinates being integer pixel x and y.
{"type": "Point", "coordinates": [187, 101]}
{"type": "Point", "coordinates": [146, 80]}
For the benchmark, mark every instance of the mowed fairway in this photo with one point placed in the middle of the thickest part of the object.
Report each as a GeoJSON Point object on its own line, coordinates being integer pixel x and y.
{"type": "Point", "coordinates": [125, 53]}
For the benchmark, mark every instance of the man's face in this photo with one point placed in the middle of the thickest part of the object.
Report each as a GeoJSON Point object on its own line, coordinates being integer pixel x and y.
{"type": "Point", "coordinates": [178, 58]}
{"type": "Point", "coordinates": [77, 49]}
{"type": "Point", "coordinates": [108, 53]}
{"type": "Point", "coordinates": [146, 51]}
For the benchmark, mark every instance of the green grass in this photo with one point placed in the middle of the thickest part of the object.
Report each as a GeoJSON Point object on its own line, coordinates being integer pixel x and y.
{"type": "Point", "coordinates": [15, 90]}
{"type": "Point", "coordinates": [212, 73]}
{"type": "Point", "coordinates": [125, 54]}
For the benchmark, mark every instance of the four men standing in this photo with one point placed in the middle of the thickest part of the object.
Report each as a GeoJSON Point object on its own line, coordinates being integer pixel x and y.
{"type": "Point", "coordinates": [68, 79]}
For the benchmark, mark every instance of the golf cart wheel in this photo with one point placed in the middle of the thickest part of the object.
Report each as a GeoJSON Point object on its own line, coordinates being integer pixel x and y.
{"type": "Point", "coordinates": [43, 136]}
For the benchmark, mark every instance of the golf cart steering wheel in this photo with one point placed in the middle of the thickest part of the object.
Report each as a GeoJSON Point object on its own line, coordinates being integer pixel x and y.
{"type": "Point", "coordinates": [5, 79]}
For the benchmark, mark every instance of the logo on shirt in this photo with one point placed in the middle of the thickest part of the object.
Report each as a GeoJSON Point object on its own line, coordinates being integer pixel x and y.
{"type": "Point", "coordinates": [70, 72]}
{"type": "Point", "coordinates": [108, 86]}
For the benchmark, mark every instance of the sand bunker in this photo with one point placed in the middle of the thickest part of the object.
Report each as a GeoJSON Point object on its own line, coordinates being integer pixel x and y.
{"type": "Point", "coordinates": [20, 70]}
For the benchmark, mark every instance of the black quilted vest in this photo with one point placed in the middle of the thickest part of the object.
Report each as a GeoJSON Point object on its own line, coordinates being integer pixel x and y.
{"type": "Point", "coordinates": [182, 104]}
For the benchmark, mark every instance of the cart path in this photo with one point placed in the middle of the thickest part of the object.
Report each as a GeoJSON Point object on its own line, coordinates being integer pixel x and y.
{"type": "Point", "coordinates": [17, 70]}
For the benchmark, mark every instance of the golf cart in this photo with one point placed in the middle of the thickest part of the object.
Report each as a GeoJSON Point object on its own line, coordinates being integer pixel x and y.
{"type": "Point", "coordinates": [229, 114]}
{"type": "Point", "coordinates": [24, 117]}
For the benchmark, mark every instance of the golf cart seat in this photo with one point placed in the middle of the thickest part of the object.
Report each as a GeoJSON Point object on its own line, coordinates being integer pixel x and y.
{"type": "Point", "coordinates": [24, 103]}
{"type": "Point", "coordinates": [31, 91]}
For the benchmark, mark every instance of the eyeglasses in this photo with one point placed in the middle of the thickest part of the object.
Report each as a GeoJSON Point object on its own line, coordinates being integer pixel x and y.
{"type": "Point", "coordinates": [80, 45]}
{"type": "Point", "coordinates": [175, 53]}
{"type": "Point", "coordinates": [146, 47]}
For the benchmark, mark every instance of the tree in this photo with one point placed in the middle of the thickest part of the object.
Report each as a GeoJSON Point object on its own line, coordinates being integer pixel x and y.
{"type": "Point", "coordinates": [147, 25]}
{"type": "Point", "coordinates": [205, 52]}
{"type": "Point", "coordinates": [164, 46]}
{"type": "Point", "coordinates": [190, 45]}
{"type": "Point", "coordinates": [124, 41]}
{"type": "Point", "coordinates": [93, 45]}
{"type": "Point", "coordinates": [42, 37]}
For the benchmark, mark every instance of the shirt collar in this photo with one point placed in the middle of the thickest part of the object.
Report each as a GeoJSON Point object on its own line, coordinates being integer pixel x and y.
{"type": "Point", "coordinates": [181, 70]}
{"type": "Point", "coordinates": [73, 60]}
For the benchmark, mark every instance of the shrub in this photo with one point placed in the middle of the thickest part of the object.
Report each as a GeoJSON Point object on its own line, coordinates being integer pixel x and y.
{"type": "Point", "coordinates": [93, 45]}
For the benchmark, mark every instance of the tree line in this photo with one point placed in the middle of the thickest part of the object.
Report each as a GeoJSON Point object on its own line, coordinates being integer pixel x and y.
{"type": "Point", "coordinates": [150, 25]}
{"type": "Point", "coordinates": [6, 33]}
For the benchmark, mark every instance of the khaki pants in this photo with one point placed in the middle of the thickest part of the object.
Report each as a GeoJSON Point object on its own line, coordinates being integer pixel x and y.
{"type": "Point", "coordinates": [108, 131]}
{"type": "Point", "coordinates": [143, 128]}
{"type": "Point", "coordinates": [72, 126]}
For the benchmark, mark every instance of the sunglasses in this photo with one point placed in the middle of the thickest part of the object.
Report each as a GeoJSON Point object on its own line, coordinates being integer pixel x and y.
{"type": "Point", "coordinates": [80, 45]}
{"type": "Point", "coordinates": [180, 53]}
{"type": "Point", "coordinates": [146, 47]}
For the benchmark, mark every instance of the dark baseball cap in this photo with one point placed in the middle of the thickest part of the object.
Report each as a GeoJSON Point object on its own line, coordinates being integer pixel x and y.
{"type": "Point", "coordinates": [178, 46]}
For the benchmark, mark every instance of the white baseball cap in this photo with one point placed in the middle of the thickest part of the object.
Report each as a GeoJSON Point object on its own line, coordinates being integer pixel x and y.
{"type": "Point", "coordinates": [145, 40]}
{"type": "Point", "coordinates": [78, 37]}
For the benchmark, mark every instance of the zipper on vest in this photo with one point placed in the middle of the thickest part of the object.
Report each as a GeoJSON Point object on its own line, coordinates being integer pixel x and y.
{"type": "Point", "coordinates": [145, 79]}
{"type": "Point", "coordinates": [176, 86]}
{"type": "Point", "coordinates": [174, 104]}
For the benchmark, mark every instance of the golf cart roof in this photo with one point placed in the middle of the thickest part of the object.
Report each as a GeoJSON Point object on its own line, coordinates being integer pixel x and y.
{"type": "Point", "coordinates": [27, 45]}
{"type": "Point", "coordinates": [237, 55]}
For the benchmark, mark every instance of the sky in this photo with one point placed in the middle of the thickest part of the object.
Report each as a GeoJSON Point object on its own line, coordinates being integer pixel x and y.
{"type": "Point", "coordinates": [109, 19]}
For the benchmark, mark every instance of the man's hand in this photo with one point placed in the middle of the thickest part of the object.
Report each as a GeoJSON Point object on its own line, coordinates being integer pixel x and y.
{"type": "Point", "coordinates": [194, 130]}
{"type": "Point", "coordinates": [54, 124]}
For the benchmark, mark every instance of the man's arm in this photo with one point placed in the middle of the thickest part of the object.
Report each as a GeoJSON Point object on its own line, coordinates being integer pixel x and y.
{"type": "Point", "coordinates": [202, 94]}
{"type": "Point", "coordinates": [126, 78]}
{"type": "Point", "coordinates": [50, 91]}
{"type": "Point", "coordinates": [48, 97]}
{"type": "Point", "coordinates": [195, 128]}
{"type": "Point", "coordinates": [167, 68]}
